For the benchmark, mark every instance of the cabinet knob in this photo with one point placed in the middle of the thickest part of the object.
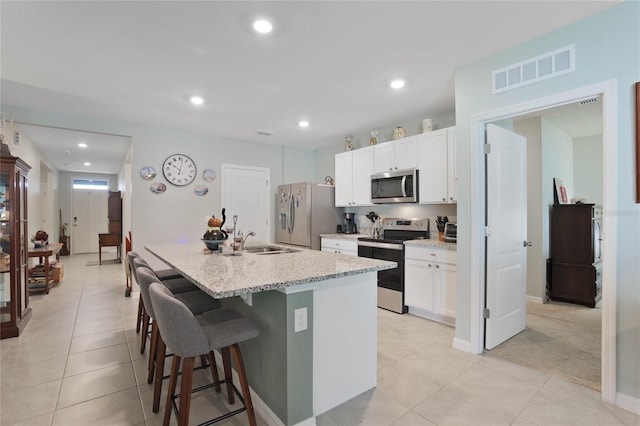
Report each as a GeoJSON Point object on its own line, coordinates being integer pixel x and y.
{"type": "Point", "coordinates": [450, 198]}
{"type": "Point", "coordinates": [438, 266]}
{"type": "Point", "coordinates": [444, 199]}
{"type": "Point", "coordinates": [429, 265]}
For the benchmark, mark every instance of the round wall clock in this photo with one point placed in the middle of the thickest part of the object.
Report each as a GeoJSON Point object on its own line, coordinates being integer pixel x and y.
{"type": "Point", "coordinates": [179, 169]}
{"type": "Point", "coordinates": [209, 175]}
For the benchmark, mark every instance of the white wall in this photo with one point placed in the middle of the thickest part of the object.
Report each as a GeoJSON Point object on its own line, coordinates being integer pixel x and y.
{"type": "Point", "coordinates": [536, 264]}
{"type": "Point", "coordinates": [587, 168]}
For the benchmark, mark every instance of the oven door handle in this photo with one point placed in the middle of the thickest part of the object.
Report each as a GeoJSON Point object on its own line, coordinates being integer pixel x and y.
{"type": "Point", "coordinates": [390, 246]}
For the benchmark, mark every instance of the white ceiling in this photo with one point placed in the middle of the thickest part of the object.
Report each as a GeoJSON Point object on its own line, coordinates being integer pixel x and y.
{"type": "Point", "coordinates": [327, 62]}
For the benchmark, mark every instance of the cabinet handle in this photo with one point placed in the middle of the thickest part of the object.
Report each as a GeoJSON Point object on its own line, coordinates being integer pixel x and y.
{"type": "Point", "coordinates": [433, 254]}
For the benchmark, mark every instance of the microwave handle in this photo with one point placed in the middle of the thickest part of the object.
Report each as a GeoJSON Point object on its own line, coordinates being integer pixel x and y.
{"type": "Point", "coordinates": [404, 186]}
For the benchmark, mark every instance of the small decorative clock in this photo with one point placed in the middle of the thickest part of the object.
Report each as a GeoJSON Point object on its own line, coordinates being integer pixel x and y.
{"type": "Point", "coordinates": [179, 169]}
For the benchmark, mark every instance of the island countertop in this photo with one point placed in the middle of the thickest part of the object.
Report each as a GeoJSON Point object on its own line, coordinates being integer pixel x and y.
{"type": "Point", "coordinates": [226, 276]}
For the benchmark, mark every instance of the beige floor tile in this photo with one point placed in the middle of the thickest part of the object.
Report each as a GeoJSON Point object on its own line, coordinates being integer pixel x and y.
{"type": "Point", "coordinates": [20, 376]}
{"type": "Point", "coordinates": [20, 405]}
{"type": "Point", "coordinates": [121, 408]}
{"type": "Point", "coordinates": [453, 406]}
{"type": "Point", "coordinates": [43, 420]}
{"type": "Point", "coordinates": [94, 384]}
{"type": "Point", "coordinates": [373, 407]}
{"type": "Point", "coordinates": [496, 388]}
{"type": "Point", "coordinates": [83, 362]}
{"type": "Point", "coordinates": [522, 373]}
{"type": "Point", "coordinates": [32, 351]}
{"type": "Point", "coordinates": [97, 326]}
{"type": "Point", "coordinates": [97, 341]}
{"type": "Point", "coordinates": [406, 385]}
{"type": "Point", "coordinates": [412, 419]}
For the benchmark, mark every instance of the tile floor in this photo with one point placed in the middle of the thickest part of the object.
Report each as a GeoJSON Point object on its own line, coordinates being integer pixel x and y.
{"type": "Point", "coordinates": [78, 363]}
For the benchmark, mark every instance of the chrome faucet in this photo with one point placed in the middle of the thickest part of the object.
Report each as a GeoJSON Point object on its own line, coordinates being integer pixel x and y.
{"type": "Point", "coordinates": [250, 234]}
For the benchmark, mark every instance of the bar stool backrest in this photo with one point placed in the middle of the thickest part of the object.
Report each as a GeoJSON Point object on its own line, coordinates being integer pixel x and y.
{"type": "Point", "coordinates": [130, 266]}
{"type": "Point", "coordinates": [180, 330]}
{"type": "Point", "coordinates": [147, 277]}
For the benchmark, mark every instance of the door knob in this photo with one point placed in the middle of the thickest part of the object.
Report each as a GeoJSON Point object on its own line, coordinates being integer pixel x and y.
{"type": "Point", "coordinates": [526, 243]}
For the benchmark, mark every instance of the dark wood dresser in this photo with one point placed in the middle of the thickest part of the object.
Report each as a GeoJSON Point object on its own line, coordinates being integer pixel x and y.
{"type": "Point", "coordinates": [576, 253]}
{"type": "Point", "coordinates": [114, 237]}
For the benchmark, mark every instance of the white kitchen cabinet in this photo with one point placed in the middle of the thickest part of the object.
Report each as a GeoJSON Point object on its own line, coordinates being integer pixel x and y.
{"type": "Point", "coordinates": [430, 283]}
{"type": "Point", "coordinates": [353, 171]}
{"type": "Point", "coordinates": [437, 164]}
{"type": "Point", "coordinates": [399, 154]}
{"type": "Point", "coordinates": [340, 246]}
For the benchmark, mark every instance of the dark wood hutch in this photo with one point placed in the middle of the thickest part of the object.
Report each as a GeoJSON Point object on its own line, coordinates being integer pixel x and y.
{"type": "Point", "coordinates": [14, 237]}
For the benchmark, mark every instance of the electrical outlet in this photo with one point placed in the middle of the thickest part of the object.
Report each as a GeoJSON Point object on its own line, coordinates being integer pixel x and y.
{"type": "Point", "coordinates": [300, 318]}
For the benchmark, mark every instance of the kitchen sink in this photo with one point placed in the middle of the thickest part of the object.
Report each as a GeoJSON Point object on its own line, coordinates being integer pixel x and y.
{"type": "Point", "coordinates": [269, 250]}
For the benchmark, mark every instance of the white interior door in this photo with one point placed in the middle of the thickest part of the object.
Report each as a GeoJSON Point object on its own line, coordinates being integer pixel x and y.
{"type": "Point", "coordinates": [246, 193]}
{"type": "Point", "coordinates": [89, 218]}
{"type": "Point", "coordinates": [506, 244]}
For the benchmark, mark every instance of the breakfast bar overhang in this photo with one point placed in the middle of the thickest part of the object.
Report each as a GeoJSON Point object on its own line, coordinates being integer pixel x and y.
{"type": "Point", "coordinates": [295, 376]}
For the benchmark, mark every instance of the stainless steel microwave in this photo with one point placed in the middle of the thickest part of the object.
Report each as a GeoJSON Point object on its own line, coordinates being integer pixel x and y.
{"type": "Point", "coordinates": [399, 186]}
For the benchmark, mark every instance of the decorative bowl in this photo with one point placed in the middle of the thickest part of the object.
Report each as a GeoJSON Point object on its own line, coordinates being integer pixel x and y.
{"type": "Point", "coordinates": [213, 244]}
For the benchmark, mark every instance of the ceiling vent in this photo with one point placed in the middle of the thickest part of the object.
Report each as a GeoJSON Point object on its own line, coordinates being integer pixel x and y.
{"type": "Point", "coordinates": [16, 138]}
{"type": "Point", "coordinates": [590, 100]}
{"type": "Point", "coordinates": [265, 132]}
{"type": "Point", "coordinates": [547, 65]}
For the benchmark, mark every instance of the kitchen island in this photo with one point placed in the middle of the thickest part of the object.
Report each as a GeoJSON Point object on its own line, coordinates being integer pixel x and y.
{"type": "Point", "coordinates": [329, 298]}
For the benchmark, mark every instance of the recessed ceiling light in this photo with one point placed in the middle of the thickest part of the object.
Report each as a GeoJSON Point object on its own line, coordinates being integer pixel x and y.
{"type": "Point", "coordinates": [262, 26]}
{"type": "Point", "coordinates": [82, 145]}
{"type": "Point", "coordinates": [303, 123]}
{"type": "Point", "coordinates": [196, 100]}
{"type": "Point", "coordinates": [87, 163]}
{"type": "Point", "coordinates": [397, 84]}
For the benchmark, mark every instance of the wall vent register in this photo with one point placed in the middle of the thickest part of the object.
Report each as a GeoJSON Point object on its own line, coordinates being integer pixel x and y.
{"type": "Point", "coordinates": [542, 67]}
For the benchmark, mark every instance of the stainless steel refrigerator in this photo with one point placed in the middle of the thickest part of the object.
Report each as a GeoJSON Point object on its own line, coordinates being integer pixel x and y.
{"type": "Point", "coordinates": [306, 210]}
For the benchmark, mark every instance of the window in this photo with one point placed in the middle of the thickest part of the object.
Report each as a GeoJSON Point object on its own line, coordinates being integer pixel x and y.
{"type": "Point", "coordinates": [95, 184]}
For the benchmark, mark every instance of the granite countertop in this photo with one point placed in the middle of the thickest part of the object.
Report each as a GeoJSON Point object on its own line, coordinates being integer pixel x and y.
{"type": "Point", "coordinates": [226, 276]}
{"type": "Point", "coordinates": [432, 242]}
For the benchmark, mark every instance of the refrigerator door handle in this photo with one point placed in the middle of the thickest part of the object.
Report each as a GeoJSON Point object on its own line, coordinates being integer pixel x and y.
{"type": "Point", "coordinates": [292, 213]}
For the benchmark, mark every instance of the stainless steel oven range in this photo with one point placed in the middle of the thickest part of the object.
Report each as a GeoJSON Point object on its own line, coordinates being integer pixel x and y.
{"type": "Point", "coordinates": [390, 246]}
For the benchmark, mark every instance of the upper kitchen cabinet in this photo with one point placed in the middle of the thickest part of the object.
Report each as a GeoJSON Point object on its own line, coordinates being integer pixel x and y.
{"type": "Point", "coordinates": [437, 165]}
{"type": "Point", "coordinates": [353, 171]}
{"type": "Point", "coordinates": [399, 154]}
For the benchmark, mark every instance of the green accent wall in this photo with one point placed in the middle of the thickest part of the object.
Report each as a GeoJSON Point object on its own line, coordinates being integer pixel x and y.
{"type": "Point", "coordinates": [279, 362]}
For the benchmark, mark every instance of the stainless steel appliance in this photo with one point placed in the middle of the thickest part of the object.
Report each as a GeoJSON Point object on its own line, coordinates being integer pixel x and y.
{"type": "Point", "coordinates": [451, 233]}
{"type": "Point", "coordinates": [399, 186]}
{"type": "Point", "coordinates": [305, 210]}
{"type": "Point", "coordinates": [350, 226]}
{"type": "Point", "coordinates": [391, 247]}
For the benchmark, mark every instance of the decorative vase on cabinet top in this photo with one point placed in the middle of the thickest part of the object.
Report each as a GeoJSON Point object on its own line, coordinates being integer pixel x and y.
{"type": "Point", "coordinates": [398, 133]}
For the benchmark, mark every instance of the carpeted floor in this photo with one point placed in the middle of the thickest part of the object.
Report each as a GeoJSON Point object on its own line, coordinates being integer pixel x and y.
{"type": "Point", "coordinates": [560, 339]}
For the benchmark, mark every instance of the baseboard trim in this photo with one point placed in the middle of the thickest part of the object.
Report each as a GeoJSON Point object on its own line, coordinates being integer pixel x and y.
{"type": "Point", "coordinates": [534, 299]}
{"type": "Point", "coordinates": [628, 403]}
{"type": "Point", "coordinates": [462, 345]}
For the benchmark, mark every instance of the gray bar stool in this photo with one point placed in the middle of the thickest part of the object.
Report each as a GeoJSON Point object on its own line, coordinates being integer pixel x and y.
{"type": "Point", "coordinates": [197, 302]}
{"type": "Point", "coordinates": [189, 336]}
{"type": "Point", "coordinates": [163, 274]}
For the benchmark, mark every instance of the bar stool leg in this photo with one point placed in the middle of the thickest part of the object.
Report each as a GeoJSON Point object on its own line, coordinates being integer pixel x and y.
{"type": "Point", "coordinates": [153, 349]}
{"type": "Point", "coordinates": [226, 363]}
{"type": "Point", "coordinates": [161, 349]}
{"type": "Point", "coordinates": [186, 383]}
{"type": "Point", "coordinates": [139, 317]}
{"type": "Point", "coordinates": [173, 379]}
{"type": "Point", "coordinates": [214, 371]}
{"type": "Point", "coordinates": [145, 328]}
{"type": "Point", "coordinates": [244, 385]}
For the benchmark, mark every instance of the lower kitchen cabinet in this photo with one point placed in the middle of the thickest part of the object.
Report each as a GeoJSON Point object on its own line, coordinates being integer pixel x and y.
{"type": "Point", "coordinates": [430, 283]}
{"type": "Point", "coordinates": [340, 246]}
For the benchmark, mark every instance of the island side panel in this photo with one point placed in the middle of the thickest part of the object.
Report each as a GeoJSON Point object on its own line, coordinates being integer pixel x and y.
{"type": "Point", "coordinates": [279, 362]}
{"type": "Point", "coordinates": [344, 340]}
